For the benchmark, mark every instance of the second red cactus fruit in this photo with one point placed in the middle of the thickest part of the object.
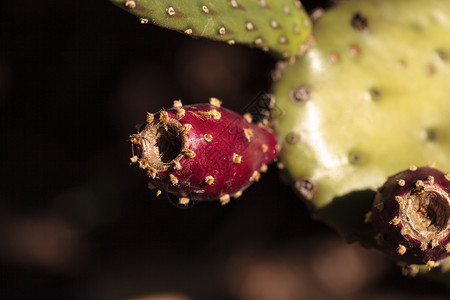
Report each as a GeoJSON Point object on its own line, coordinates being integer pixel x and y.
{"type": "Point", "coordinates": [203, 151]}
{"type": "Point", "coordinates": [411, 214]}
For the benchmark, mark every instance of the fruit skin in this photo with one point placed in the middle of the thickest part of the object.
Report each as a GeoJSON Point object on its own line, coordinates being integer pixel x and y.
{"type": "Point", "coordinates": [370, 98]}
{"type": "Point", "coordinates": [410, 216]}
{"type": "Point", "coordinates": [203, 151]}
{"type": "Point", "coordinates": [280, 26]}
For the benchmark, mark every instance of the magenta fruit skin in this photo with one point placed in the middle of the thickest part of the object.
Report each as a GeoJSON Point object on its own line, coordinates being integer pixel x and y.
{"type": "Point", "coordinates": [413, 233]}
{"type": "Point", "coordinates": [223, 152]}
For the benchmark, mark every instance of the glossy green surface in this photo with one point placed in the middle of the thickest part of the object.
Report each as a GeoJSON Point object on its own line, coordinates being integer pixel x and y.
{"type": "Point", "coordinates": [279, 26]}
{"type": "Point", "coordinates": [379, 97]}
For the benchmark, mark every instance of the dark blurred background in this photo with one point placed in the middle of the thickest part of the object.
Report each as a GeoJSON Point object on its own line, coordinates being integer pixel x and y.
{"type": "Point", "coordinates": [78, 222]}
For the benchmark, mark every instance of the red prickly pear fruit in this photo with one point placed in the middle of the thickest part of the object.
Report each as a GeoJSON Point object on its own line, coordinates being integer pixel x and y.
{"type": "Point", "coordinates": [203, 151]}
{"type": "Point", "coordinates": [410, 216]}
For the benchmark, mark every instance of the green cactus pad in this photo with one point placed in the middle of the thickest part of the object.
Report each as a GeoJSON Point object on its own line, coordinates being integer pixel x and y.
{"type": "Point", "coordinates": [279, 26]}
{"type": "Point", "coordinates": [370, 98]}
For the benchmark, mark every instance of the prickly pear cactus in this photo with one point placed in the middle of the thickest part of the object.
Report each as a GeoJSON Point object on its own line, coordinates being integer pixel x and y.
{"type": "Point", "coordinates": [203, 151]}
{"type": "Point", "coordinates": [279, 26]}
{"type": "Point", "coordinates": [370, 98]}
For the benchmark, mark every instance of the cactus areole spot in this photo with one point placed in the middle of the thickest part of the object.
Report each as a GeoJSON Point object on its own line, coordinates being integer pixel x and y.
{"type": "Point", "coordinates": [359, 22]}
{"type": "Point", "coordinates": [413, 218]}
{"type": "Point", "coordinates": [162, 143]}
